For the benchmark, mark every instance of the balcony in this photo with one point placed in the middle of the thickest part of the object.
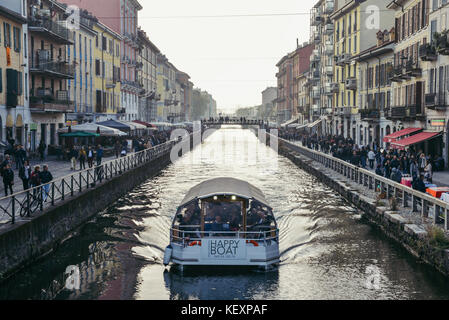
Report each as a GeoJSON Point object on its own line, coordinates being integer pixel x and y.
{"type": "Point", "coordinates": [316, 94]}
{"type": "Point", "coordinates": [329, 7]}
{"type": "Point", "coordinates": [44, 101]}
{"type": "Point", "coordinates": [342, 60]}
{"type": "Point", "coordinates": [331, 88]}
{"type": "Point", "coordinates": [55, 30]}
{"type": "Point", "coordinates": [436, 102]}
{"type": "Point", "coordinates": [427, 53]}
{"type": "Point", "coordinates": [315, 76]}
{"type": "Point", "coordinates": [329, 29]}
{"type": "Point", "coordinates": [369, 114]}
{"type": "Point", "coordinates": [343, 111]}
{"type": "Point", "coordinates": [351, 84]}
{"type": "Point", "coordinates": [317, 19]}
{"type": "Point", "coordinates": [317, 38]}
{"type": "Point", "coordinates": [412, 69]}
{"type": "Point", "coordinates": [329, 70]}
{"type": "Point", "coordinates": [398, 74]}
{"type": "Point", "coordinates": [441, 42]}
{"type": "Point", "coordinates": [315, 56]}
{"type": "Point", "coordinates": [46, 66]}
{"type": "Point", "coordinates": [401, 112]}
{"type": "Point", "coordinates": [329, 49]}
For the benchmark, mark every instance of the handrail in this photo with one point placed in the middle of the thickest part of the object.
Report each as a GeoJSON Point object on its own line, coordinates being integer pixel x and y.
{"type": "Point", "coordinates": [25, 203]}
{"type": "Point", "coordinates": [264, 235]}
{"type": "Point", "coordinates": [375, 182]}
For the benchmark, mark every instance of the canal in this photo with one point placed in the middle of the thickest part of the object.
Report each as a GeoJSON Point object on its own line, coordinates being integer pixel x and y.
{"type": "Point", "coordinates": [327, 251]}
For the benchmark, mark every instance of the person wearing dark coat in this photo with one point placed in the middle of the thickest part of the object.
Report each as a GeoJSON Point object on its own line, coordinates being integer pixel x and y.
{"type": "Point", "coordinates": [8, 179]}
{"type": "Point", "coordinates": [25, 174]}
{"type": "Point", "coordinates": [419, 184]}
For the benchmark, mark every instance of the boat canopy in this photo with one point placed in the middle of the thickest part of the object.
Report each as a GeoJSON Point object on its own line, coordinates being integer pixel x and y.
{"type": "Point", "coordinates": [224, 186]}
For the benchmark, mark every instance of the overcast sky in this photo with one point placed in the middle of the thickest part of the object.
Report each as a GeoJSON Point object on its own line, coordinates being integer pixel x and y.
{"type": "Point", "coordinates": [233, 58]}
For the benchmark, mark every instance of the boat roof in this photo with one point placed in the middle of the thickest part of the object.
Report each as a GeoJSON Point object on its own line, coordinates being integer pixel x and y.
{"type": "Point", "coordinates": [224, 186]}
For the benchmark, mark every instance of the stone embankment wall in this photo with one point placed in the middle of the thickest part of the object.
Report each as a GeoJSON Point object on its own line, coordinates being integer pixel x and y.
{"type": "Point", "coordinates": [26, 241]}
{"type": "Point", "coordinates": [399, 227]}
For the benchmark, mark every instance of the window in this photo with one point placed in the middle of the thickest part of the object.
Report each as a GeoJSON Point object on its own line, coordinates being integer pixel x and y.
{"type": "Point", "coordinates": [104, 43]}
{"type": "Point", "coordinates": [1, 80]}
{"type": "Point", "coordinates": [97, 67]}
{"type": "Point", "coordinates": [7, 34]}
{"type": "Point", "coordinates": [96, 41]}
{"type": "Point", "coordinates": [25, 49]}
{"type": "Point", "coordinates": [17, 39]}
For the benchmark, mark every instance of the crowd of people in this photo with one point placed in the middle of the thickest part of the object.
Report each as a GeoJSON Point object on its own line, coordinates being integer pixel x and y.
{"type": "Point", "coordinates": [78, 155]}
{"type": "Point", "coordinates": [390, 163]}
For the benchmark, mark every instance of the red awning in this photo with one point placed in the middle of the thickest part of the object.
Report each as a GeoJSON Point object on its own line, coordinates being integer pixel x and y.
{"type": "Point", "coordinates": [143, 123]}
{"type": "Point", "coordinates": [399, 134]}
{"type": "Point", "coordinates": [417, 138]}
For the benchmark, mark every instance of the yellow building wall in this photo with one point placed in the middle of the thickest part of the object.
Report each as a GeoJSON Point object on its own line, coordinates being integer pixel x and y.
{"type": "Point", "coordinates": [349, 70]}
{"type": "Point", "coordinates": [109, 60]}
{"type": "Point", "coordinates": [16, 59]}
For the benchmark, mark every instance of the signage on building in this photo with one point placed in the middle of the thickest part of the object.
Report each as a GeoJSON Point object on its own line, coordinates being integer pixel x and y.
{"type": "Point", "coordinates": [437, 122]}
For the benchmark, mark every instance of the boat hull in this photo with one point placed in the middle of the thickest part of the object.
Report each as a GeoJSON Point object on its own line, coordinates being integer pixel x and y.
{"type": "Point", "coordinates": [226, 252]}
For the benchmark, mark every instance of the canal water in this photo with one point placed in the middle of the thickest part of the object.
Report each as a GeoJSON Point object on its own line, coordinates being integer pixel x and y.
{"type": "Point", "coordinates": [327, 251]}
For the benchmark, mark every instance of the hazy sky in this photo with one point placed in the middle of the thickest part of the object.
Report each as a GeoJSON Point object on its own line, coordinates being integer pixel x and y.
{"type": "Point", "coordinates": [233, 58]}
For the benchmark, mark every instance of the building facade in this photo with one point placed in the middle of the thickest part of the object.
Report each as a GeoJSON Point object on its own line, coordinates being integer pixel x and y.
{"type": "Point", "coordinates": [147, 75]}
{"type": "Point", "coordinates": [356, 24]}
{"type": "Point", "coordinates": [14, 111]}
{"type": "Point", "coordinates": [126, 26]}
{"type": "Point", "coordinates": [106, 74]}
{"type": "Point", "coordinates": [80, 54]}
{"type": "Point", "coordinates": [48, 41]}
{"type": "Point", "coordinates": [268, 108]}
{"type": "Point", "coordinates": [322, 65]}
{"type": "Point", "coordinates": [284, 103]}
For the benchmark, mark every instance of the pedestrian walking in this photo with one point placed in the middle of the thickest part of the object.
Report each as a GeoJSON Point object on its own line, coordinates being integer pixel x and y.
{"type": "Point", "coordinates": [41, 149]}
{"type": "Point", "coordinates": [82, 158]}
{"type": "Point", "coordinates": [45, 177]}
{"type": "Point", "coordinates": [25, 174]}
{"type": "Point", "coordinates": [21, 156]}
{"type": "Point", "coordinates": [73, 157]}
{"type": "Point", "coordinates": [117, 148]}
{"type": "Point", "coordinates": [4, 163]}
{"type": "Point", "coordinates": [90, 157]}
{"type": "Point", "coordinates": [99, 152]}
{"type": "Point", "coordinates": [8, 179]}
{"type": "Point", "coordinates": [35, 180]}
{"type": "Point", "coordinates": [371, 158]}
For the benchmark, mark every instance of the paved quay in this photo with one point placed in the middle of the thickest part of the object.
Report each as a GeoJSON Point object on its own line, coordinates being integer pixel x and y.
{"type": "Point", "coordinates": [58, 168]}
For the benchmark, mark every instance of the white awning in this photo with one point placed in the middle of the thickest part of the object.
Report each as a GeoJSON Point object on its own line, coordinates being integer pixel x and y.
{"type": "Point", "coordinates": [133, 125]}
{"type": "Point", "coordinates": [300, 126]}
{"type": "Point", "coordinates": [289, 122]}
{"type": "Point", "coordinates": [93, 128]}
{"type": "Point", "coordinates": [314, 124]}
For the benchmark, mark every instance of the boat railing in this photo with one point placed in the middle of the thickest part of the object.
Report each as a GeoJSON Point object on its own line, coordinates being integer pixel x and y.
{"type": "Point", "coordinates": [186, 235]}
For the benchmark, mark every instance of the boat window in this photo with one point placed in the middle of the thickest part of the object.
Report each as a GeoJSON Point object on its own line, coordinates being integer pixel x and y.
{"type": "Point", "coordinates": [223, 216]}
{"type": "Point", "coordinates": [190, 215]}
{"type": "Point", "coordinates": [259, 217]}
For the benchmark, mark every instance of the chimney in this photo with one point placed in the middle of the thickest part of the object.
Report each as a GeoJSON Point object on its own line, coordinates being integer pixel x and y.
{"type": "Point", "coordinates": [297, 43]}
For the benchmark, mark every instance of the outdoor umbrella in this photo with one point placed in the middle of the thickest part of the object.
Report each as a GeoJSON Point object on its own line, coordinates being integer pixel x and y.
{"type": "Point", "coordinates": [116, 125]}
{"type": "Point", "coordinates": [79, 134]}
{"type": "Point", "coordinates": [93, 128]}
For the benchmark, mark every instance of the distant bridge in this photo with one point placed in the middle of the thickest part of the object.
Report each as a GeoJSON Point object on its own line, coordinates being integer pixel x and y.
{"type": "Point", "coordinates": [234, 121]}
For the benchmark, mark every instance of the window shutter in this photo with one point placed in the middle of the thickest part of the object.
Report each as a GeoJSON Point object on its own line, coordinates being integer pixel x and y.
{"type": "Point", "coordinates": [1, 80]}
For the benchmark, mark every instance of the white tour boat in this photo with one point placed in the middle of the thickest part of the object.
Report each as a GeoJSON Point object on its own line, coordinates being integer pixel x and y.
{"type": "Point", "coordinates": [224, 221]}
